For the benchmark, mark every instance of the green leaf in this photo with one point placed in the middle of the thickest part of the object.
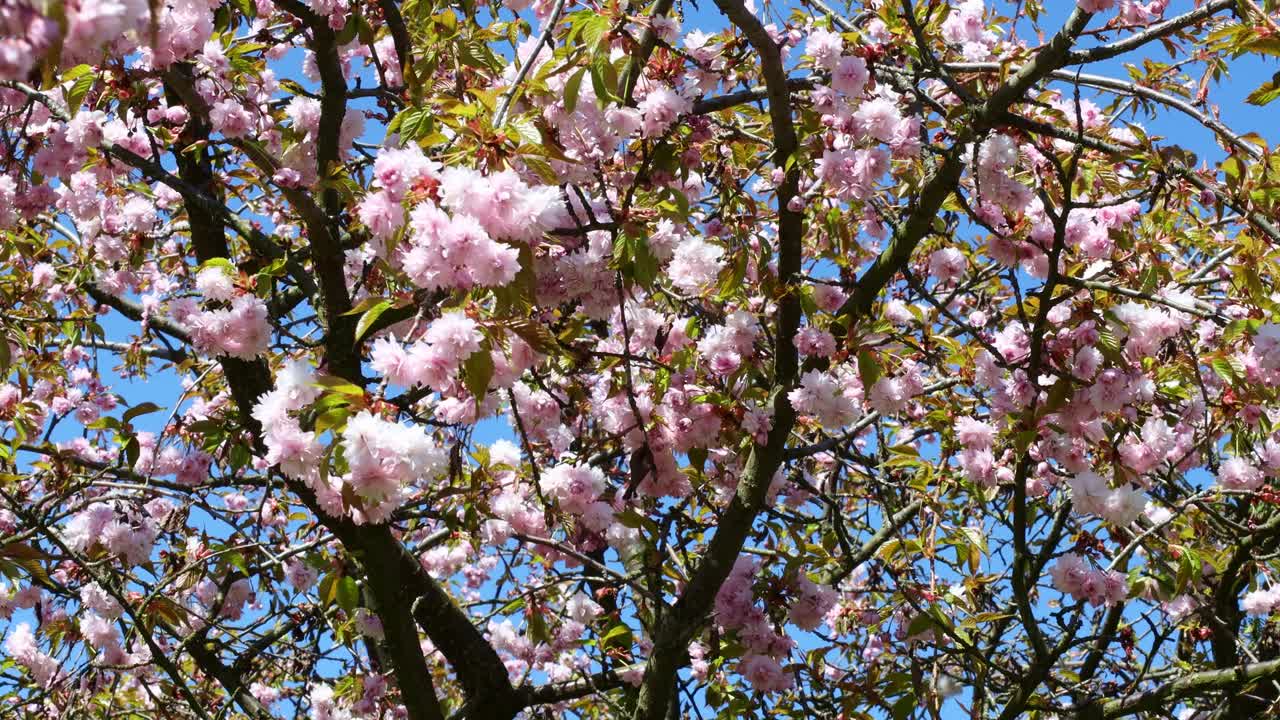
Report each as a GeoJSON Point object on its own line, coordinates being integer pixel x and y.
{"type": "Point", "coordinates": [328, 590]}
{"type": "Point", "coordinates": [571, 89]}
{"type": "Point", "coordinates": [141, 409]}
{"type": "Point", "coordinates": [370, 317]}
{"type": "Point", "coordinates": [219, 262]}
{"type": "Point", "coordinates": [902, 708]}
{"type": "Point", "coordinates": [617, 636]}
{"type": "Point", "coordinates": [1266, 93]}
{"type": "Point", "coordinates": [348, 594]}
{"type": "Point", "coordinates": [236, 560]}
{"type": "Point", "coordinates": [525, 131]}
{"type": "Point", "coordinates": [330, 419]}
{"type": "Point", "coordinates": [477, 371]}
{"type": "Point", "coordinates": [869, 369]}
{"type": "Point", "coordinates": [538, 626]}
{"type": "Point", "coordinates": [340, 385]}
{"type": "Point", "coordinates": [1223, 368]}
{"type": "Point", "coordinates": [645, 264]}
{"type": "Point", "coordinates": [132, 450]}
{"type": "Point", "coordinates": [82, 79]}
{"type": "Point", "coordinates": [535, 333]}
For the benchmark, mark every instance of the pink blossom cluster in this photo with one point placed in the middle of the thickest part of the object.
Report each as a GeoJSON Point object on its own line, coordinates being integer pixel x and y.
{"type": "Point", "coordinates": [977, 437]}
{"type": "Point", "coordinates": [852, 173]}
{"type": "Point", "coordinates": [189, 467]}
{"type": "Point", "coordinates": [1090, 494]}
{"type": "Point", "coordinates": [736, 609]}
{"type": "Point", "coordinates": [433, 361]}
{"type": "Point", "coordinates": [816, 342]}
{"type": "Point", "coordinates": [327, 704]}
{"type": "Point", "coordinates": [127, 534]}
{"type": "Point", "coordinates": [1154, 445]}
{"type": "Point", "coordinates": [295, 451]}
{"type": "Point", "coordinates": [833, 399]}
{"type": "Point", "coordinates": [1240, 474]}
{"type": "Point", "coordinates": [21, 645]}
{"type": "Point", "coordinates": [660, 108]}
{"type": "Point", "coordinates": [811, 603]}
{"type": "Point", "coordinates": [25, 35]}
{"type": "Point", "coordinates": [1261, 602]}
{"type": "Point", "coordinates": [577, 488]}
{"type": "Point", "coordinates": [966, 28]}
{"type": "Point", "coordinates": [1074, 576]}
{"type": "Point", "coordinates": [242, 330]}
{"type": "Point", "coordinates": [725, 347]}
{"type": "Point", "coordinates": [387, 460]}
{"type": "Point", "coordinates": [891, 393]}
{"type": "Point", "coordinates": [695, 264]}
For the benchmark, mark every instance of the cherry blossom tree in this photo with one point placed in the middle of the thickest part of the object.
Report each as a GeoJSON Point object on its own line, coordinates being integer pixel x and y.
{"type": "Point", "coordinates": [372, 359]}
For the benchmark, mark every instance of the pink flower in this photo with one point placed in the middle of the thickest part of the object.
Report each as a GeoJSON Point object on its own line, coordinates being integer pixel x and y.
{"type": "Point", "coordinates": [764, 673]}
{"type": "Point", "coordinates": [304, 112]}
{"type": "Point", "coordinates": [21, 646]}
{"type": "Point", "coordinates": [243, 331]}
{"type": "Point", "coordinates": [974, 433]}
{"type": "Point", "coordinates": [385, 458]}
{"type": "Point", "coordinates": [1261, 602]}
{"type": "Point", "coordinates": [812, 341]}
{"type": "Point", "coordinates": [455, 333]}
{"type": "Point", "coordinates": [43, 275]}
{"type": "Point", "coordinates": [99, 632]}
{"type": "Point", "coordinates": [811, 604]}
{"type": "Point", "coordinates": [382, 214]}
{"type": "Point", "coordinates": [852, 174]}
{"type": "Point", "coordinates": [1239, 474]}
{"type": "Point", "coordinates": [850, 76]}
{"type": "Point", "coordinates": [695, 264]}
{"type": "Point", "coordinates": [947, 265]}
{"type": "Point", "coordinates": [230, 118]}
{"type": "Point", "coordinates": [878, 118]}
{"type": "Point", "coordinates": [824, 47]}
{"type": "Point", "coordinates": [828, 297]}
{"type": "Point", "coordinates": [574, 487]}
{"type": "Point", "coordinates": [660, 108]}
{"type": "Point", "coordinates": [397, 169]}
{"type": "Point", "coordinates": [832, 401]}
{"type": "Point", "coordinates": [505, 206]}
{"type": "Point", "coordinates": [215, 284]}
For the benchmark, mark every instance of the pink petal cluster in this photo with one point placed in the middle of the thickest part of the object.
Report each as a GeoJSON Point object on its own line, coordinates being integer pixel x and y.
{"type": "Point", "coordinates": [295, 451]}
{"type": "Point", "coordinates": [240, 331]}
{"type": "Point", "coordinates": [506, 206]}
{"type": "Point", "coordinates": [435, 360]}
{"type": "Point", "coordinates": [22, 647]}
{"type": "Point", "coordinates": [811, 341]}
{"type": "Point", "coordinates": [1120, 506]}
{"type": "Point", "coordinates": [833, 399]}
{"type": "Point", "coordinates": [1261, 602]}
{"type": "Point", "coordinates": [852, 173]}
{"type": "Point", "coordinates": [765, 673]}
{"type": "Point", "coordinates": [1240, 474]}
{"type": "Point", "coordinates": [660, 109]}
{"type": "Point", "coordinates": [1075, 577]}
{"type": "Point", "coordinates": [695, 264]}
{"type": "Point", "coordinates": [811, 604]}
{"type": "Point", "coordinates": [725, 347]}
{"type": "Point", "coordinates": [455, 252]}
{"type": "Point", "coordinates": [577, 488]}
{"type": "Point", "coordinates": [386, 459]}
